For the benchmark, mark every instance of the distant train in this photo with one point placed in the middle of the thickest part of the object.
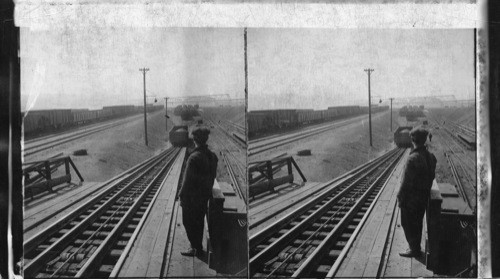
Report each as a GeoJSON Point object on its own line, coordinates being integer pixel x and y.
{"type": "Point", "coordinates": [179, 135]}
{"type": "Point", "coordinates": [412, 112]}
{"type": "Point", "coordinates": [402, 137]}
{"type": "Point", "coordinates": [187, 112]}
{"type": "Point", "coordinates": [39, 121]}
{"type": "Point", "coordinates": [263, 121]}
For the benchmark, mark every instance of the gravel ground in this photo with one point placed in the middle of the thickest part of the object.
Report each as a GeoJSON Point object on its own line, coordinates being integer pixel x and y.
{"type": "Point", "coordinates": [339, 150]}
{"type": "Point", "coordinates": [115, 150]}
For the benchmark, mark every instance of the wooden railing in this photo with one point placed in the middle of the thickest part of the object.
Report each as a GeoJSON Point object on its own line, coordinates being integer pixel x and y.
{"type": "Point", "coordinates": [38, 176]}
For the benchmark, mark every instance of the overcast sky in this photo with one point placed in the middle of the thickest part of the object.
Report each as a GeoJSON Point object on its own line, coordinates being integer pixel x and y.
{"type": "Point", "coordinates": [97, 67]}
{"type": "Point", "coordinates": [317, 68]}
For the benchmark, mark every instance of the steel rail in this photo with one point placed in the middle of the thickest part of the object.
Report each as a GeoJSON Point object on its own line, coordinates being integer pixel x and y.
{"type": "Point", "coordinates": [458, 180]}
{"type": "Point", "coordinates": [94, 260]}
{"type": "Point", "coordinates": [110, 183]}
{"type": "Point", "coordinates": [126, 251]}
{"type": "Point", "coordinates": [239, 142]}
{"type": "Point", "coordinates": [345, 250]}
{"type": "Point", "coordinates": [236, 126]}
{"type": "Point", "coordinates": [85, 127]}
{"type": "Point", "coordinates": [35, 264]}
{"type": "Point", "coordinates": [310, 128]}
{"type": "Point", "coordinates": [74, 134]}
{"type": "Point", "coordinates": [324, 206]}
{"type": "Point", "coordinates": [232, 176]}
{"type": "Point", "coordinates": [257, 149]}
{"type": "Point", "coordinates": [331, 185]}
{"type": "Point", "coordinates": [71, 136]}
{"type": "Point", "coordinates": [328, 241]}
{"type": "Point", "coordinates": [230, 171]}
{"type": "Point", "coordinates": [309, 259]}
{"type": "Point", "coordinates": [38, 238]}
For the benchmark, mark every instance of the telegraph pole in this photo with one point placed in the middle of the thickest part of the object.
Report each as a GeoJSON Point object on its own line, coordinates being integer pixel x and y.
{"type": "Point", "coordinates": [144, 70]}
{"type": "Point", "coordinates": [369, 71]}
{"type": "Point", "coordinates": [391, 111]}
{"type": "Point", "coordinates": [166, 113]}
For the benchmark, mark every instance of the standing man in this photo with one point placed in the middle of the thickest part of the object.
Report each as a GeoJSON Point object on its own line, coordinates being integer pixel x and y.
{"type": "Point", "coordinates": [415, 190]}
{"type": "Point", "coordinates": [196, 190]}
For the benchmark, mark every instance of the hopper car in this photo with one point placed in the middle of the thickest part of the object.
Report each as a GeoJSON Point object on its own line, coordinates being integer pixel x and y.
{"type": "Point", "coordinates": [402, 137]}
{"type": "Point", "coordinates": [179, 135]}
{"type": "Point", "coordinates": [268, 121]}
{"type": "Point", "coordinates": [41, 121]}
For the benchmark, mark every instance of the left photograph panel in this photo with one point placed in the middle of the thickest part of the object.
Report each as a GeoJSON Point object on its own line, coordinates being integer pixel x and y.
{"type": "Point", "coordinates": [134, 152]}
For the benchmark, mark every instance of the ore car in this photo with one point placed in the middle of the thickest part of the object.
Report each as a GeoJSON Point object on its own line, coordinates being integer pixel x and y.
{"type": "Point", "coordinates": [179, 135]}
{"type": "Point", "coordinates": [402, 136]}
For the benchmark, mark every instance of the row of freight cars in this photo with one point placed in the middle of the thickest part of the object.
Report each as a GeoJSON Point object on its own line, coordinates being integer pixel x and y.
{"type": "Point", "coordinates": [40, 121]}
{"type": "Point", "coordinates": [266, 121]}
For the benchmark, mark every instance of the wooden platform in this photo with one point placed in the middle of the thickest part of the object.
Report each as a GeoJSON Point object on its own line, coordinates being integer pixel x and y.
{"type": "Point", "coordinates": [182, 266]}
{"type": "Point", "coordinates": [375, 252]}
{"type": "Point", "coordinates": [148, 255]}
{"type": "Point", "coordinates": [52, 206]}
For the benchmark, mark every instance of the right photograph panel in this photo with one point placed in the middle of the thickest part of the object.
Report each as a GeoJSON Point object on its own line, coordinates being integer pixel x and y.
{"type": "Point", "coordinates": [362, 153]}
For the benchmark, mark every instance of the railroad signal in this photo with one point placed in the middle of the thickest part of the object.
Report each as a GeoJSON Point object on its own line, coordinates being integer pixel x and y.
{"type": "Point", "coordinates": [391, 111]}
{"type": "Point", "coordinates": [166, 114]}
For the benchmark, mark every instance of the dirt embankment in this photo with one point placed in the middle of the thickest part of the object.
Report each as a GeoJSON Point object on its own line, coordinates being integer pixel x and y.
{"type": "Point", "coordinates": [115, 150]}
{"type": "Point", "coordinates": [339, 150]}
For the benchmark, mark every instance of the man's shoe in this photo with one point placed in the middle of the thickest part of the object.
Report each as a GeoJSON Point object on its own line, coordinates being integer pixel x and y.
{"type": "Point", "coordinates": [189, 252]}
{"type": "Point", "coordinates": [200, 253]}
{"type": "Point", "coordinates": [410, 254]}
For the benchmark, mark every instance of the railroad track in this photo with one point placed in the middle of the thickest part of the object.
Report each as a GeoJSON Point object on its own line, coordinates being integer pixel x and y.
{"type": "Point", "coordinates": [32, 147]}
{"type": "Point", "coordinates": [264, 144]}
{"type": "Point", "coordinates": [229, 158]}
{"type": "Point", "coordinates": [461, 165]}
{"type": "Point", "coordinates": [308, 129]}
{"type": "Point", "coordinates": [313, 240]}
{"type": "Point", "coordinates": [90, 240]}
{"type": "Point", "coordinates": [238, 127]}
{"type": "Point", "coordinates": [462, 176]}
{"type": "Point", "coordinates": [340, 182]}
{"type": "Point", "coordinates": [236, 184]}
{"type": "Point", "coordinates": [464, 129]}
{"type": "Point", "coordinates": [111, 183]}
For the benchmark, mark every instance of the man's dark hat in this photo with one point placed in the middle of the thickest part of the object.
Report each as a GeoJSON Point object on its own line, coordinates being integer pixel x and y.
{"type": "Point", "coordinates": [419, 134]}
{"type": "Point", "coordinates": [200, 134]}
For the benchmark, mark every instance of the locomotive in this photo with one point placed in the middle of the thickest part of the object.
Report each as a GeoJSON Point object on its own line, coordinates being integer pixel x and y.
{"type": "Point", "coordinates": [402, 137]}
{"type": "Point", "coordinates": [179, 136]}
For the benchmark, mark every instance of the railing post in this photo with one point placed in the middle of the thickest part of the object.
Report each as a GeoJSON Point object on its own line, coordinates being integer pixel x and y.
{"type": "Point", "coordinates": [48, 174]}
{"type": "Point", "coordinates": [270, 175]}
{"type": "Point", "coordinates": [66, 165]}
{"type": "Point", "coordinates": [289, 165]}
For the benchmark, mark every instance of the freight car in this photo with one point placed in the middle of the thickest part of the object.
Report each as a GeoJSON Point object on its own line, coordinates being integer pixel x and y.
{"type": "Point", "coordinates": [42, 121]}
{"type": "Point", "coordinates": [46, 120]}
{"type": "Point", "coordinates": [117, 111]}
{"type": "Point", "coordinates": [402, 137]}
{"type": "Point", "coordinates": [83, 116]}
{"type": "Point", "coordinates": [266, 121]}
{"type": "Point", "coordinates": [179, 135]}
